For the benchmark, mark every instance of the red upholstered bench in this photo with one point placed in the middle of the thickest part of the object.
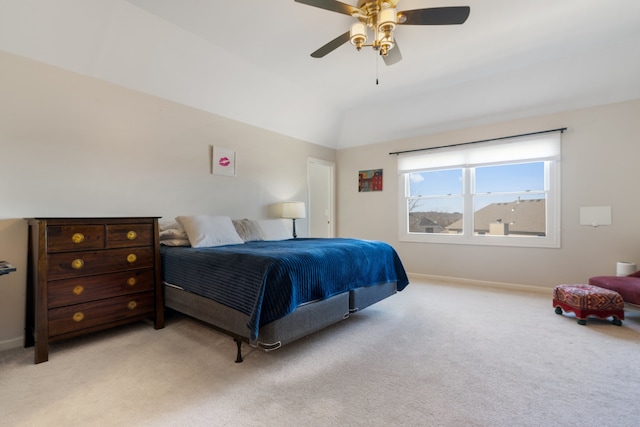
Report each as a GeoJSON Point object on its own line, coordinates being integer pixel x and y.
{"type": "Point", "coordinates": [627, 286]}
{"type": "Point", "coordinates": [588, 300]}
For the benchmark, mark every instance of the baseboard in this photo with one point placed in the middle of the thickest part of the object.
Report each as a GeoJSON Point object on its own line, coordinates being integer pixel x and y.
{"type": "Point", "coordinates": [12, 343]}
{"type": "Point", "coordinates": [483, 283]}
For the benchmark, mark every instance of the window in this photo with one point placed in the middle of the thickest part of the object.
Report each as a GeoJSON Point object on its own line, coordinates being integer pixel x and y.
{"type": "Point", "coordinates": [501, 193]}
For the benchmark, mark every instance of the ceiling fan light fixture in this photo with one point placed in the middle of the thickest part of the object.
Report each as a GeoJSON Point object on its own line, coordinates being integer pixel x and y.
{"type": "Point", "coordinates": [358, 35]}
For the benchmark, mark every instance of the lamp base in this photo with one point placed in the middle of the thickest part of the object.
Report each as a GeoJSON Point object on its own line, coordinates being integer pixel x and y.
{"type": "Point", "coordinates": [294, 228]}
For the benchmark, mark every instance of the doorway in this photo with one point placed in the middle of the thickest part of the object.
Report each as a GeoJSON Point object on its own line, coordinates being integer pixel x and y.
{"type": "Point", "coordinates": [321, 177]}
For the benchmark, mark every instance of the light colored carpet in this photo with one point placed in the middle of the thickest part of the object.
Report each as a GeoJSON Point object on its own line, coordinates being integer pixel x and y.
{"type": "Point", "coordinates": [432, 355]}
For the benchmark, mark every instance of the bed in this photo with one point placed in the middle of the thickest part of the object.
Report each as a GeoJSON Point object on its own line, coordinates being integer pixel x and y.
{"type": "Point", "coordinates": [271, 292]}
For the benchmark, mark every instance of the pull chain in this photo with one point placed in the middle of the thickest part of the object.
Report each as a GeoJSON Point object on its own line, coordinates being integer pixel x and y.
{"type": "Point", "coordinates": [377, 63]}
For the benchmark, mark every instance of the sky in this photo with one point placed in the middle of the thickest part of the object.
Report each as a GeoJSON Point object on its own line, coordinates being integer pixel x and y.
{"type": "Point", "coordinates": [514, 180]}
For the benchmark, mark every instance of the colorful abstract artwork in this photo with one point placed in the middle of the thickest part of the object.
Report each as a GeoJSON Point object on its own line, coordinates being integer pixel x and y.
{"type": "Point", "coordinates": [370, 180]}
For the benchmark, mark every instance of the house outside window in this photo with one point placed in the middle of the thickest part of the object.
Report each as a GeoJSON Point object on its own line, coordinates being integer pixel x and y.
{"type": "Point", "coordinates": [504, 193]}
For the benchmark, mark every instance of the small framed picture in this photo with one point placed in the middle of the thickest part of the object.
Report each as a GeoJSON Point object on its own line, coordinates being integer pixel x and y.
{"type": "Point", "coordinates": [223, 161]}
{"type": "Point", "coordinates": [370, 180]}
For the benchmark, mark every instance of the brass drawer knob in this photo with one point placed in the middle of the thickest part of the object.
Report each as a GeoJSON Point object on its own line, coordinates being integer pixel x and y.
{"type": "Point", "coordinates": [77, 264]}
{"type": "Point", "coordinates": [131, 281]}
{"type": "Point", "coordinates": [131, 258]}
{"type": "Point", "coordinates": [78, 290]}
{"type": "Point", "coordinates": [131, 235]}
{"type": "Point", "coordinates": [77, 238]}
{"type": "Point", "coordinates": [78, 316]}
{"type": "Point", "coordinates": [132, 305]}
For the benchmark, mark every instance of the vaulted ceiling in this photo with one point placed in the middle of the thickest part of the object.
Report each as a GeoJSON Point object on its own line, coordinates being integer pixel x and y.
{"type": "Point", "coordinates": [249, 60]}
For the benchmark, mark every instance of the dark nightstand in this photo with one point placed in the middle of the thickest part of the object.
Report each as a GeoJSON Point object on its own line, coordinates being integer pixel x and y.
{"type": "Point", "coordinates": [6, 268]}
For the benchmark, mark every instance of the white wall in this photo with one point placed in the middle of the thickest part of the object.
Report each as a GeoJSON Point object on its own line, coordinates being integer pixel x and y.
{"type": "Point", "coordinates": [13, 248]}
{"type": "Point", "coordinates": [600, 152]}
{"type": "Point", "coordinates": [75, 146]}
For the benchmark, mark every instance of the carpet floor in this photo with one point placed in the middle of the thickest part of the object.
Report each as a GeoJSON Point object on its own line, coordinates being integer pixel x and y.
{"type": "Point", "coordinates": [435, 354]}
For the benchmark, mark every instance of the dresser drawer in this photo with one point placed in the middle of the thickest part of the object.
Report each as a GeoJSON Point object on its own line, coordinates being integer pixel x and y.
{"type": "Point", "coordinates": [81, 316]}
{"type": "Point", "coordinates": [65, 238]}
{"type": "Point", "coordinates": [78, 264]}
{"type": "Point", "coordinates": [90, 288]}
{"type": "Point", "coordinates": [129, 235]}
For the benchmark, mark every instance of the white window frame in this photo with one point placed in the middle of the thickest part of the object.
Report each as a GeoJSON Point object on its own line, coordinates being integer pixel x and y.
{"type": "Point", "coordinates": [545, 147]}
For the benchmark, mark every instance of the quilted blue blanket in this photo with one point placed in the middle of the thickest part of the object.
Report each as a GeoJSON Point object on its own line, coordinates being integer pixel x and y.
{"type": "Point", "coordinates": [267, 280]}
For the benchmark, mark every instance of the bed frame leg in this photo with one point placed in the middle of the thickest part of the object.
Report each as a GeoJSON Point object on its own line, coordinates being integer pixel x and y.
{"type": "Point", "coordinates": [238, 341]}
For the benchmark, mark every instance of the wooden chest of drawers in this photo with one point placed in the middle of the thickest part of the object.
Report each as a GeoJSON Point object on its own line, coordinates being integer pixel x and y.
{"type": "Point", "coordinates": [89, 274]}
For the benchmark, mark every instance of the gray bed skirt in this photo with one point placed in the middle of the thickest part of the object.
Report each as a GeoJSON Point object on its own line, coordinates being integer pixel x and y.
{"type": "Point", "coordinates": [361, 298]}
{"type": "Point", "coordinates": [305, 320]}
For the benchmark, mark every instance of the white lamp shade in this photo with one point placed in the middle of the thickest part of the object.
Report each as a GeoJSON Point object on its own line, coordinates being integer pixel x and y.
{"type": "Point", "coordinates": [383, 40]}
{"type": "Point", "coordinates": [387, 18]}
{"type": "Point", "coordinates": [358, 33]}
{"type": "Point", "coordinates": [293, 210]}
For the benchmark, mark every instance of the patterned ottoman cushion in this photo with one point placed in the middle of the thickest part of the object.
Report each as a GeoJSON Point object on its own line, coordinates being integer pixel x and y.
{"type": "Point", "coordinates": [588, 300]}
{"type": "Point", "coordinates": [588, 297]}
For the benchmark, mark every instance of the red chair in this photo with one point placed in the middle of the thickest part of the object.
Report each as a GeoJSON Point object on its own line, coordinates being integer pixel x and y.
{"type": "Point", "coordinates": [627, 286]}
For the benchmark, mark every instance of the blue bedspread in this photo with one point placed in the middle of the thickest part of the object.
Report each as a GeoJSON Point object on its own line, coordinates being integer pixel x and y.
{"type": "Point", "coordinates": [267, 280]}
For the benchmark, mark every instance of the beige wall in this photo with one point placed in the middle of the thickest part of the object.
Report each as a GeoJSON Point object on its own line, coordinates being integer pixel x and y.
{"type": "Point", "coordinates": [76, 146]}
{"type": "Point", "coordinates": [13, 248]}
{"type": "Point", "coordinates": [600, 152]}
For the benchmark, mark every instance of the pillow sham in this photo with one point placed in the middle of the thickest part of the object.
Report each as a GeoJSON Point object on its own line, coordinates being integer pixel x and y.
{"type": "Point", "coordinates": [208, 231]}
{"type": "Point", "coordinates": [175, 242]}
{"type": "Point", "coordinates": [274, 229]}
{"type": "Point", "coordinates": [172, 233]}
{"type": "Point", "coordinates": [247, 229]}
{"type": "Point", "coordinates": [168, 224]}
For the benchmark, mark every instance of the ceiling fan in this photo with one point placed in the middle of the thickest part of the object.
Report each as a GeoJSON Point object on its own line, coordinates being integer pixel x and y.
{"type": "Point", "coordinates": [380, 17]}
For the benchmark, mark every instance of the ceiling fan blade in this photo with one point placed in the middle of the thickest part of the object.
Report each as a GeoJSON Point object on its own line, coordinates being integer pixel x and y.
{"type": "Point", "coordinates": [394, 56]}
{"type": "Point", "coordinates": [332, 45]}
{"type": "Point", "coordinates": [332, 5]}
{"type": "Point", "coordinates": [435, 16]}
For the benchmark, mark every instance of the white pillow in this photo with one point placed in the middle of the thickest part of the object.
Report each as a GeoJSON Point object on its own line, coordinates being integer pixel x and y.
{"type": "Point", "coordinates": [206, 231]}
{"type": "Point", "coordinates": [274, 229]}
